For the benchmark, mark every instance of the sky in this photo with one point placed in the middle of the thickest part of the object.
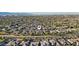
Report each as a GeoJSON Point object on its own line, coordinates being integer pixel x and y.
{"type": "Point", "coordinates": [39, 6]}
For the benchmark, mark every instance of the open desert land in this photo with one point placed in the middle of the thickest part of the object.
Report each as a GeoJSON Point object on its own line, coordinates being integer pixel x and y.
{"type": "Point", "coordinates": [61, 30]}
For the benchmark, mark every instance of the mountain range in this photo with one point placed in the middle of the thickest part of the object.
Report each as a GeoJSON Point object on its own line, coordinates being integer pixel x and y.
{"type": "Point", "coordinates": [37, 13]}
